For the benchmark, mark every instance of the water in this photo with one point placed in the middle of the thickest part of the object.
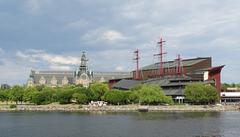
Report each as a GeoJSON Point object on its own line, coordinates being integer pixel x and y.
{"type": "Point", "coordinates": [157, 124]}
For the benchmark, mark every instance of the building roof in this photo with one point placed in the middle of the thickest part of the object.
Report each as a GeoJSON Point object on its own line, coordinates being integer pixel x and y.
{"type": "Point", "coordinates": [126, 84]}
{"type": "Point", "coordinates": [172, 86]}
{"type": "Point", "coordinates": [170, 64]}
{"type": "Point", "coordinates": [106, 76]}
{"type": "Point", "coordinates": [60, 75]}
{"type": "Point", "coordinates": [49, 77]}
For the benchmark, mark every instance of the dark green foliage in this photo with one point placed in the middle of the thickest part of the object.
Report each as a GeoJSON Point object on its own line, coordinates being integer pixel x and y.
{"type": "Point", "coordinates": [13, 106]}
{"type": "Point", "coordinates": [38, 98]}
{"type": "Point", "coordinates": [201, 93]}
{"type": "Point", "coordinates": [46, 96]}
{"type": "Point", "coordinates": [64, 96]}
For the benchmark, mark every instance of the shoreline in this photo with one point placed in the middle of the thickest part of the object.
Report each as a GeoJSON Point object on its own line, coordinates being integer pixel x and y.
{"type": "Point", "coordinates": [120, 108]}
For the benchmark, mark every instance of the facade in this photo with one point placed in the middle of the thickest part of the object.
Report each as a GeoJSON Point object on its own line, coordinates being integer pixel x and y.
{"type": "Point", "coordinates": [231, 95]}
{"type": "Point", "coordinates": [188, 66]}
{"type": "Point", "coordinates": [81, 76]}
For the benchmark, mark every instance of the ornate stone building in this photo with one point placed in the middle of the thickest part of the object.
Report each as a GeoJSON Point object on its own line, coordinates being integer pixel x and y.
{"type": "Point", "coordinates": [81, 76]}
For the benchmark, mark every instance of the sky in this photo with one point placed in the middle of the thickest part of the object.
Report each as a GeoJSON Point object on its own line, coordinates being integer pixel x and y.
{"type": "Point", "coordinates": [52, 34]}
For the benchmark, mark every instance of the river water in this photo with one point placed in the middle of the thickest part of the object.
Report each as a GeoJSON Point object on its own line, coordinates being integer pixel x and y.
{"type": "Point", "coordinates": [134, 124]}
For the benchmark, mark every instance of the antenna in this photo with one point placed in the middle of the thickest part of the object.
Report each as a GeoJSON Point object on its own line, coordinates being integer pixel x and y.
{"type": "Point", "coordinates": [160, 55]}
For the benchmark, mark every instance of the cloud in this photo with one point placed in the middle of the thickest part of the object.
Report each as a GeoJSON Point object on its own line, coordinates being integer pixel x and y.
{"type": "Point", "coordinates": [111, 35]}
{"type": "Point", "coordinates": [103, 35]}
{"type": "Point", "coordinates": [13, 73]}
{"type": "Point", "coordinates": [41, 56]}
{"type": "Point", "coordinates": [110, 30]}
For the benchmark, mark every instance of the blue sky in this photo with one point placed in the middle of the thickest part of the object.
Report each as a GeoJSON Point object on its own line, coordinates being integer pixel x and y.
{"type": "Point", "coordinates": [51, 34]}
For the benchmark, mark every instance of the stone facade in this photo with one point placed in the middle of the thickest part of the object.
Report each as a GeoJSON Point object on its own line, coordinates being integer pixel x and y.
{"type": "Point", "coordinates": [81, 76]}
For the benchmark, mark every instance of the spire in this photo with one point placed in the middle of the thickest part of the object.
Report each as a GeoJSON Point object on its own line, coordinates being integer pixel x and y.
{"type": "Point", "coordinates": [83, 60]}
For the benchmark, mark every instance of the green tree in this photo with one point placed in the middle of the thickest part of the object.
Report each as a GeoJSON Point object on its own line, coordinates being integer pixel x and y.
{"type": "Point", "coordinates": [199, 93]}
{"type": "Point", "coordinates": [133, 97]}
{"type": "Point", "coordinates": [38, 98]}
{"type": "Point", "coordinates": [98, 90]}
{"type": "Point", "coordinates": [2, 95]}
{"type": "Point", "coordinates": [28, 94]}
{"type": "Point", "coordinates": [65, 96]}
{"type": "Point", "coordinates": [80, 98]}
{"type": "Point", "coordinates": [152, 95]}
{"type": "Point", "coordinates": [116, 97]}
{"type": "Point", "coordinates": [16, 93]}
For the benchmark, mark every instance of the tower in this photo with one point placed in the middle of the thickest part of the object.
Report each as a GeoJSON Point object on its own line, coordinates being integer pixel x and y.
{"type": "Point", "coordinates": [83, 66]}
{"type": "Point", "coordinates": [83, 75]}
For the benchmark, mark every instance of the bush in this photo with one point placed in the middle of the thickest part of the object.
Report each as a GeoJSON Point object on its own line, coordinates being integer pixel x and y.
{"type": "Point", "coordinates": [200, 93]}
{"type": "Point", "coordinates": [13, 106]}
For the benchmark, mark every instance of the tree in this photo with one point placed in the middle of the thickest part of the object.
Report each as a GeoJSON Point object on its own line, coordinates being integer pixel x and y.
{"type": "Point", "coordinates": [2, 95]}
{"type": "Point", "coordinates": [16, 94]}
{"type": "Point", "coordinates": [80, 98]}
{"type": "Point", "coordinates": [98, 90]}
{"type": "Point", "coordinates": [152, 95]}
{"type": "Point", "coordinates": [28, 94]}
{"type": "Point", "coordinates": [38, 98]}
{"type": "Point", "coordinates": [133, 97]}
{"type": "Point", "coordinates": [64, 96]}
{"type": "Point", "coordinates": [199, 93]}
{"type": "Point", "coordinates": [116, 97]}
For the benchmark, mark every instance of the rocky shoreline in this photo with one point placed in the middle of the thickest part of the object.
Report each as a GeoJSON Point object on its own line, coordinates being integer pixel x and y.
{"type": "Point", "coordinates": [120, 108]}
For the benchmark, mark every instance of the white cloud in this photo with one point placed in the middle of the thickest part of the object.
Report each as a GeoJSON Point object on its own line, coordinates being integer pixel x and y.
{"type": "Point", "coordinates": [103, 35]}
{"type": "Point", "coordinates": [41, 56]}
{"type": "Point", "coordinates": [112, 35]}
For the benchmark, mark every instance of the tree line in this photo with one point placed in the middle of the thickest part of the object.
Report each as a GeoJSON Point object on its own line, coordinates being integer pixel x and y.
{"type": "Point", "coordinates": [141, 94]}
{"type": "Point", "coordinates": [40, 95]}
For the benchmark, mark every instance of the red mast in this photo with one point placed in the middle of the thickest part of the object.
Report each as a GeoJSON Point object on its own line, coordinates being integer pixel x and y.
{"type": "Point", "coordinates": [178, 65]}
{"type": "Point", "coordinates": [137, 74]}
{"type": "Point", "coordinates": [161, 71]}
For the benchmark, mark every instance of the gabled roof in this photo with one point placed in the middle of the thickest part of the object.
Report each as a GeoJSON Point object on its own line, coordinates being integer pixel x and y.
{"type": "Point", "coordinates": [170, 64]}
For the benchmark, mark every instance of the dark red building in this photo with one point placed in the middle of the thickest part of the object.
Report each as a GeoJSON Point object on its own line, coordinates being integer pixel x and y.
{"type": "Point", "coordinates": [176, 75]}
